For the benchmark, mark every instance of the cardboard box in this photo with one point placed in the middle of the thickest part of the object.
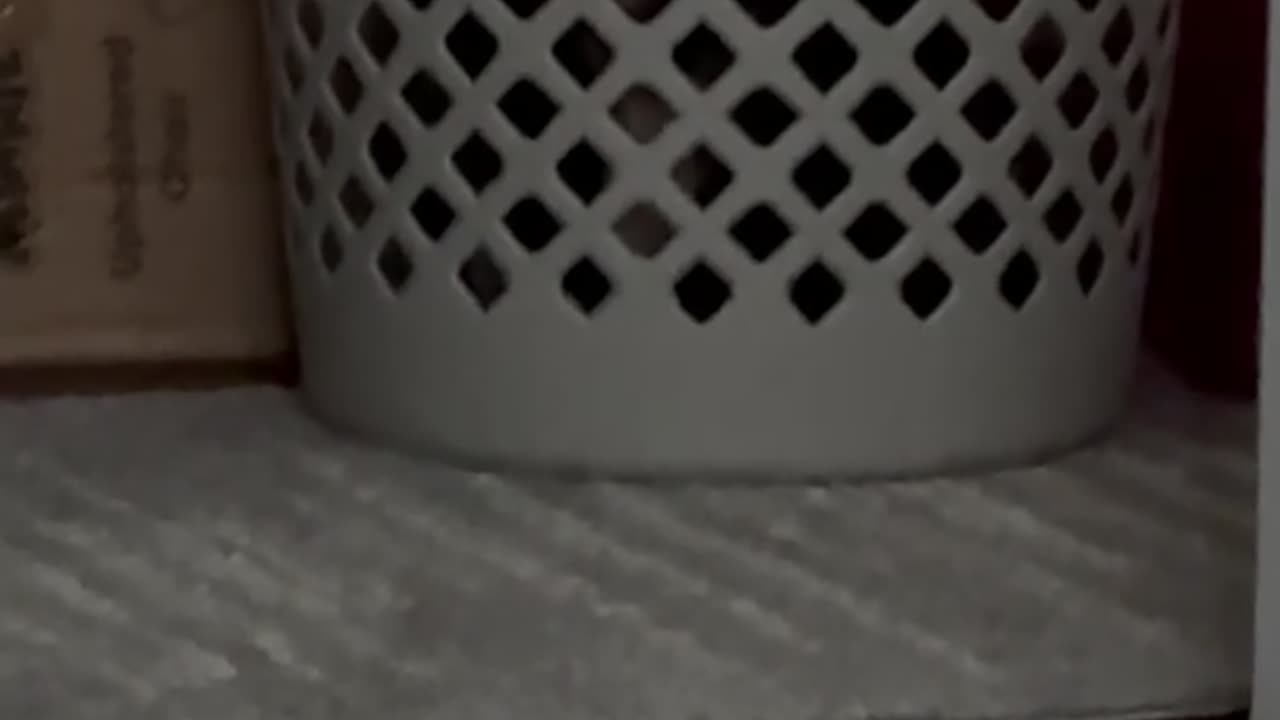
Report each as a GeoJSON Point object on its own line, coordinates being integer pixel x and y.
{"type": "Point", "coordinates": [138, 213]}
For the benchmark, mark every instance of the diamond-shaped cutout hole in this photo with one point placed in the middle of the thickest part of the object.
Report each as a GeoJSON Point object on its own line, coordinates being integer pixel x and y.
{"type": "Point", "coordinates": [1031, 166]}
{"type": "Point", "coordinates": [821, 177]}
{"type": "Point", "coordinates": [427, 98]}
{"type": "Point", "coordinates": [702, 176]}
{"type": "Point", "coordinates": [320, 138]}
{"type": "Point", "coordinates": [472, 45]}
{"type": "Point", "coordinates": [883, 115]}
{"type": "Point", "coordinates": [532, 224]}
{"type": "Point", "coordinates": [585, 172]}
{"type": "Point", "coordinates": [816, 292]}
{"type": "Point", "coordinates": [586, 286]}
{"type": "Point", "coordinates": [825, 57]}
{"type": "Point", "coordinates": [1089, 267]}
{"type": "Point", "coordinates": [303, 188]}
{"type": "Point", "coordinates": [887, 12]}
{"type": "Point", "coordinates": [1078, 100]}
{"type": "Point", "coordinates": [528, 108]}
{"type": "Point", "coordinates": [761, 232]}
{"type": "Point", "coordinates": [998, 10]}
{"type": "Point", "coordinates": [523, 9]}
{"type": "Point", "coordinates": [763, 116]}
{"type": "Point", "coordinates": [644, 230]}
{"type": "Point", "coordinates": [1043, 47]}
{"type": "Point", "coordinates": [1119, 37]}
{"type": "Point", "coordinates": [981, 225]}
{"type": "Point", "coordinates": [378, 33]}
{"type": "Point", "coordinates": [702, 292]}
{"type": "Point", "coordinates": [294, 73]}
{"type": "Point", "coordinates": [433, 214]}
{"type": "Point", "coordinates": [1122, 200]}
{"type": "Point", "coordinates": [311, 22]}
{"type": "Point", "coordinates": [356, 203]}
{"type": "Point", "coordinates": [1138, 89]}
{"type": "Point", "coordinates": [395, 266]}
{"type": "Point", "coordinates": [926, 289]}
{"type": "Point", "coordinates": [1019, 280]}
{"type": "Point", "coordinates": [346, 85]}
{"type": "Point", "coordinates": [1166, 20]}
{"type": "Point", "coordinates": [876, 232]}
{"type": "Point", "coordinates": [767, 14]}
{"type": "Point", "coordinates": [583, 53]}
{"type": "Point", "coordinates": [387, 152]}
{"type": "Point", "coordinates": [1063, 216]}
{"type": "Point", "coordinates": [703, 56]}
{"type": "Point", "coordinates": [942, 55]}
{"type": "Point", "coordinates": [934, 173]}
{"type": "Point", "coordinates": [331, 250]}
{"type": "Point", "coordinates": [643, 113]}
{"type": "Point", "coordinates": [478, 163]}
{"type": "Point", "coordinates": [483, 279]}
{"type": "Point", "coordinates": [1104, 154]}
{"type": "Point", "coordinates": [645, 11]}
{"type": "Point", "coordinates": [990, 110]}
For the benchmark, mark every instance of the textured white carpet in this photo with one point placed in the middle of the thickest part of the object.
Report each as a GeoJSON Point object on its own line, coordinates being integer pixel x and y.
{"type": "Point", "coordinates": [219, 557]}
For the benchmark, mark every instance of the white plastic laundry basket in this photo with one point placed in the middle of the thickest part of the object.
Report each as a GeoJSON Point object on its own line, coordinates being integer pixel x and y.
{"type": "Point", "coordinates": [845, 236]}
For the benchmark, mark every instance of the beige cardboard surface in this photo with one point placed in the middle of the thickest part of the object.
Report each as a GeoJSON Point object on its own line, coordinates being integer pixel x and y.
{"type": "Point", "coordinates": [137, 199]}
